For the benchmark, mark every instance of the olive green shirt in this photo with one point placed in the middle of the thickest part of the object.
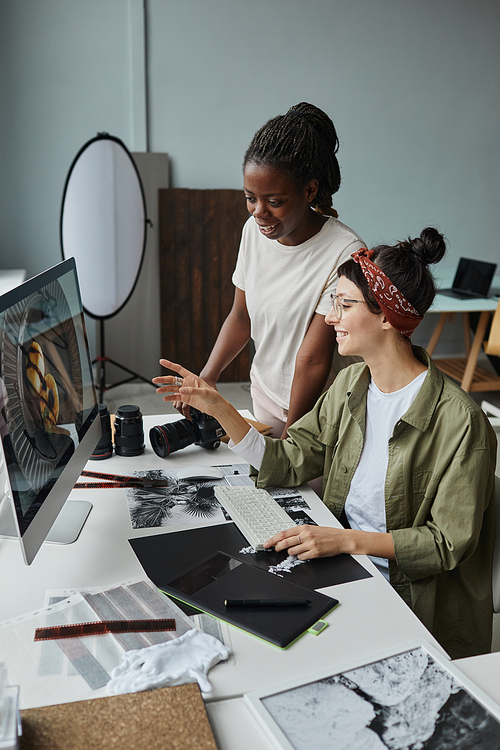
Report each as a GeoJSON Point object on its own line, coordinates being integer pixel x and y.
{"type": "Point", "coordinates": [439, 494]}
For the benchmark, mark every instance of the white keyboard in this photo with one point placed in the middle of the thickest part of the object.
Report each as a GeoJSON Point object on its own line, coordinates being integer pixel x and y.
{"type": "Point", "coordinates": [257, 515]}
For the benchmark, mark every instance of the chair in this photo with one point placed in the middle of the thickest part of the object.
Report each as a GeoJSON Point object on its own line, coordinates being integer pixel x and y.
{"type": "Point", "coordinates": [492, 347]}
{"type": "Point", "coordinates": [496, 553]}
{"type": "Point", "coordinates": [492, 412]}
{"type": "Point", "coordinates": [466, 371]}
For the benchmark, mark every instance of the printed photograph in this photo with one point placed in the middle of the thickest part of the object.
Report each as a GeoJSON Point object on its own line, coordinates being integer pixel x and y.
{"type": "Point", "coordinates": [188, 501]}
{"type": "Point", "coordinates": [405, 702]}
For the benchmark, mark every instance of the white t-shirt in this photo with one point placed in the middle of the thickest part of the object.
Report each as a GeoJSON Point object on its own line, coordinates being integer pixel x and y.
{"type": "Point", "coordinates": [365, 503]}
{"type": "Point", "coordinates": [282, 286]}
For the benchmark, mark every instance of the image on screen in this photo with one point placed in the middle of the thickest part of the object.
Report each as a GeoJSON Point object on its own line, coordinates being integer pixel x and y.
{"type": "Point", "coordinates": [47, 396]}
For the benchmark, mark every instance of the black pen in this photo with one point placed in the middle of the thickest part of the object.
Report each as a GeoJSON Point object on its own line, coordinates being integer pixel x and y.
{"type": "Point", "coordinates": [267, 602]}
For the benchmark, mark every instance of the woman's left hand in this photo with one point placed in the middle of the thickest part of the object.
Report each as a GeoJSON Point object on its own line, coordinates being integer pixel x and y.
{"type": "Point", "coordinates": [187, 387]}
{"type": "Point", "coordinates": [196, 392]}
{"type": "Point", "coordinates": [308, 542]}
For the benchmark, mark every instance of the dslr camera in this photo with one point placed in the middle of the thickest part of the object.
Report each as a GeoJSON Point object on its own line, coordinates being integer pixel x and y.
{"type": "Point", "coordinates": [201, 429]}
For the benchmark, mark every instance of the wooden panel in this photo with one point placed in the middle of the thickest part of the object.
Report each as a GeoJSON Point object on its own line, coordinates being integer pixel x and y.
{"type": "Point", "coordinates": [200, 233]}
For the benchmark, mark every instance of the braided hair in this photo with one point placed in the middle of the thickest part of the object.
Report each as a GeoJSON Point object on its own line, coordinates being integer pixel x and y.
{"type": "Point", "coordinates": [302, 143]}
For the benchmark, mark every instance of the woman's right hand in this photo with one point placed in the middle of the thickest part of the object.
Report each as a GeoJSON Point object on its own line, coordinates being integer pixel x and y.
{"type": "Point", "coordinates": [232, 338]}
{"type": "Point", "coordinates": [182, 408]}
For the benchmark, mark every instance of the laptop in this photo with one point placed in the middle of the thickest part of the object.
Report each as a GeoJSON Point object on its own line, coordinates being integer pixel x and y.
{"type": "Point", "coordinates": [472, 279]}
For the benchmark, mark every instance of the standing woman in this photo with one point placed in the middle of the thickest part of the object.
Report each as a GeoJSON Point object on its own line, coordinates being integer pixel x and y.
{"type": "Point", "coordinates": [290, 249]}
{"type": "Point", "coordinates": [408, 458]}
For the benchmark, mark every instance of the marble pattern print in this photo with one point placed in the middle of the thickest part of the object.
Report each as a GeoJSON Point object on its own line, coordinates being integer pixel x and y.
{"type": "Point", "coordinates": [405, 702]}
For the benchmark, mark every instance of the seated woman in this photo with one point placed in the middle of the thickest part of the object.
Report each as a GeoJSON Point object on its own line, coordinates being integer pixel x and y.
{"type": "Point", "coordinates": [408, 458]}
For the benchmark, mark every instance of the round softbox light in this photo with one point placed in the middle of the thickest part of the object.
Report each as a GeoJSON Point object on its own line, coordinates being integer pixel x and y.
{"type": "Point", "coordinates": [103, 224]}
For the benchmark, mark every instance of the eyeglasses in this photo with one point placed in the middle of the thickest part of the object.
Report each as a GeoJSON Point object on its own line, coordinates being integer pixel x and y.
{"type": "Point", "coordinates": [338, 304]}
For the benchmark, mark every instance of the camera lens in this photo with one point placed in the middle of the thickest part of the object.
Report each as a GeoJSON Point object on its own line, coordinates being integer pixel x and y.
{"type": "Point", "coordinates": [129, 433]}
{"type": "Point", "coordinates": [104, 448]}
{"type": "Point", "coordinates": [168, 438]}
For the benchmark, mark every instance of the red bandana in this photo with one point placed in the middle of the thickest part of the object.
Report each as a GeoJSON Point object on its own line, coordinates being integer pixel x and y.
{"type": "Point", "coordinates": [399, 312]}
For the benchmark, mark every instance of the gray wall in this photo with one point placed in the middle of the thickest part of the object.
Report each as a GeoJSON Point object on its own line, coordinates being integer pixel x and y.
{"type": "Point", "coordinates": [64, 77]}
{"type": "Point", "coordinates": [412, 86]}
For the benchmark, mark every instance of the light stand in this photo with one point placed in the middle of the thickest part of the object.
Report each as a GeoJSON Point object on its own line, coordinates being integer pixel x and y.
{"type": "Point", "coordinates": [103, 226]}
{"type": "Point", "coordinates": [102, 359]}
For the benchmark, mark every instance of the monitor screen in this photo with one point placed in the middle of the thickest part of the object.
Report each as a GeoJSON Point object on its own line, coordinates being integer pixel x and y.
{"type": "Point", "coordinates": [48, 418]}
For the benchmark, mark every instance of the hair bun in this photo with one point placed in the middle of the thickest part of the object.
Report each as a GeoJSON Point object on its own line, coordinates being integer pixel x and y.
{"type": "Point", "coordinates": [430, 246]}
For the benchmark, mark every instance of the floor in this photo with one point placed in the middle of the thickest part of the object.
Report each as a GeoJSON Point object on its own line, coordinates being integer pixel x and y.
{"type": "Point", "coordinates": [238, 394]}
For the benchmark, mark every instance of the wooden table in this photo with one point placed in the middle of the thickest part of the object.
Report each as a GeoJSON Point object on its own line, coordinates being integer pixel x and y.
{"type": "Point", "coordinates": [465, 370]}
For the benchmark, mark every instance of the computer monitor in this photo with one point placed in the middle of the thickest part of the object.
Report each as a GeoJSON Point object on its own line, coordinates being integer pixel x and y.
{"type": "Point", "coordinates": [49, 423]}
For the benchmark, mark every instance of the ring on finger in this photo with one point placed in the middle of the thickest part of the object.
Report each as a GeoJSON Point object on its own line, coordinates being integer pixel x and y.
{"type": "Point", "coordinates": [298, 538]}
{"type": "Point", "coordinates": [178, 381]}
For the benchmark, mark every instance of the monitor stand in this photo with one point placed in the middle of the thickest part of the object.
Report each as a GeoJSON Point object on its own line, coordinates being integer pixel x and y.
{"type": "Point", "coordinates": [65, 529]}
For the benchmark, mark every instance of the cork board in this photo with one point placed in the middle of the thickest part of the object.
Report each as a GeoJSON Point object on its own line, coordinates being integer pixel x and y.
{"type": "Point", "coordinates": [172, 718]}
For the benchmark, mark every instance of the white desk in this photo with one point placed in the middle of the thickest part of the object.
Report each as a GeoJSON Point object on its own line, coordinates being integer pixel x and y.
{"type": "Point", "coordinates": [484, 670]}
{"type": "Point", "coordinates": [465, 371]}
{"type": "Point", "coordinates": [371, 616]}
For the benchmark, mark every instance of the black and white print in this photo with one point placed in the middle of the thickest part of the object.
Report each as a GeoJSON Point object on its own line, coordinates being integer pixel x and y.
{"type": "Point", "coordinates": [404, 702]}
{"type": "Point", "coordinates": [181, 501]}
{"type": "Point", "coordinates": [188, 501]}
